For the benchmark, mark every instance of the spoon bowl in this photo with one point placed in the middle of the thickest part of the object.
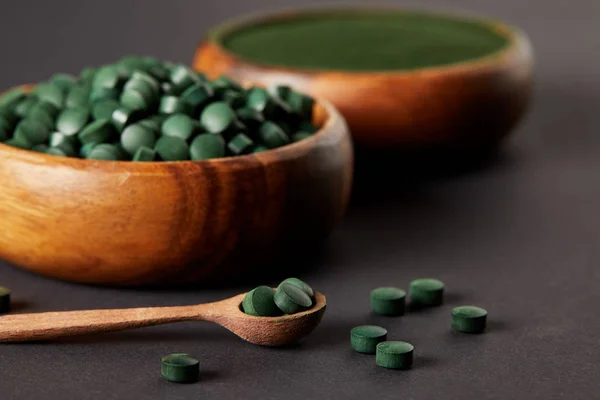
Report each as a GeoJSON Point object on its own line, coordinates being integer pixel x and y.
{"type": "Point", "coordinates": [264, 331]}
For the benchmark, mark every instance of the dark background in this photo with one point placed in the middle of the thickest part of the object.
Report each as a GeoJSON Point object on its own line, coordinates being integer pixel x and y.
{"type": "Point", "coordinates": [518, 237]}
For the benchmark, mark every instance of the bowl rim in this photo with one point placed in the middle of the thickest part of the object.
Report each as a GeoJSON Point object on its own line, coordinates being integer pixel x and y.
{"type": "Point", "coordinates": [517, 39]}
{"type": "Point", "coordinates": [290, 150]}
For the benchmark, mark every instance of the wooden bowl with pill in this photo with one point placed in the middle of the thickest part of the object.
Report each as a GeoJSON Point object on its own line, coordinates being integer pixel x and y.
{"type": "Point", "coordinates": [173, 222]}
{"type": "Point", "coordinates": [403, 79]}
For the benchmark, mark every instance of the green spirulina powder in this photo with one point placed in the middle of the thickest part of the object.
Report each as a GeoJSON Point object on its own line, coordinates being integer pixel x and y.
{"type": "Point", "coordinates": [364, 41]}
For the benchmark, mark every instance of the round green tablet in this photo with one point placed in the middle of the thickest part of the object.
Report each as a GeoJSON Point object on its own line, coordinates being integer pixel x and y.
{"type": "Point", "coordinates": [11, 98]}
{"type": "Point", "coordinates": [281, 91]}
{"type": "Point", "coordinates": [135, 99]}
{"type": "Point", "coordinates": [298, 136]}
{"type": "Point", "coordinates": [260, 302]}
{"type": "Point", "coordinates": [107, 77]}
{"type": "Point", "coordinates": [174, 105]}
{"type": "Point", "coordinates": [388, 301]}
{"type": "Point", "coordinates": [86, 149]}
{"type": "Point", "coordinates": [181, 77]}
{"type": "Point", "coordinates": [4, 300]}
{"type": "Point", "coordinates": [50, 93]}
{"type": "Point", "coordinates": [180, 368]}
{"type": "Point", "coordinates": [151, 123]}
{"type": "Point", "coordinates": [136, 136]}
{"type": "Point", "coordinates": [58, 138]}
{"type": "Point", "coordinates": [426, 292]}
{"type": "Point", "coordinates": [87, 74]}
{"type": "Point", "coordinates": [63, 81]}
{"type": "Point", "coordinates": [32, 132]}
{"type": "Point", "coordinates": [71, 120]}
{"type": "Point", "coordinates": [124, 116]}
{"type": "Point", "coordinates": [469, 319]}
{"type": "Point", "coordinates": [240, 144]}
{"type": "Point", "coordinates": [233, 98]}
{"type": "Point", "coordinates": [260, 100]}
{"type": "Point", "coordinates": [180, 125]}
{"type": "Point", "coordinates": [144, 154]}
{"type": "Point", "coordinates": [101, 94]}
{"type": "Point", "coordinates": [78, 96]}
{"type": "Point", "coordinates": [68, 149]}
{"type": "Point", "coordinates": [272, 135]}
{"type": "Point", "coordinates": [49, 108]}
{"type": "Point", "coordinates": [99, 131]}
{"type": "Point", "coordinates": [291, 299]}
{"type": "Point", "coordinates": [217, 117]}
{"type": "Point", "coordinates": [301, 104]}
{"type": "Point", "coordinates": [206, 146]}
{"type": "Point", "coordinates": [302, 285]}
{"type": "Point", "coordinates": [394, 355]}
{"type": "Point", "coordinates": [139, 76]}
{"type": "Point", "coordinates": [365, 338]}
{"type": "Point", "coordinates": [42, 116]}
{"type": "Point", "coordinates": [171, 148]}
{"type": "Point", "coordinates": [103, 109]}
{"type": "Point", "coordinates": [197, 95]}
{"type": "Point", "coordinates": [250, 117]}
{"type": "Point", "coordinates": [25, 105]}
{"type": "Point", "coordinates": [104, 151]}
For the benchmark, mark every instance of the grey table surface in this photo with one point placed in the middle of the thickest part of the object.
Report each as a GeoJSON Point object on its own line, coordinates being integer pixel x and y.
{"type": "Point", "coordinates": [519, 237]}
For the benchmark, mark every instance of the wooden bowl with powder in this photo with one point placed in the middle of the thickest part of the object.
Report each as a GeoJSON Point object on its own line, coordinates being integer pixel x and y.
{"type": "Point", "coordinates": [402, 79]}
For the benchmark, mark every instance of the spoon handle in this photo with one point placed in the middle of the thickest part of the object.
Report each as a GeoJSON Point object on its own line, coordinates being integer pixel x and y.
{"type": "Point", "coordinates": [53, 325]}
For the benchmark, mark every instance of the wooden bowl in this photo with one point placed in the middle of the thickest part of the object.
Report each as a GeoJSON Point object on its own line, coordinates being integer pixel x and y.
{"type": "Point", "coordinates": [171, 223]}
{"type": "Point", "coordinates": [465, 104]}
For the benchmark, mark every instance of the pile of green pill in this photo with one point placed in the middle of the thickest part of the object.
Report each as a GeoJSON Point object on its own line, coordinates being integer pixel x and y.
{"type": "Point", "coordinates": [291, 296]}
{"type": "Point", "coordinates": [142, 109]}
{"type": "Point", "coordinates": [390, 301]}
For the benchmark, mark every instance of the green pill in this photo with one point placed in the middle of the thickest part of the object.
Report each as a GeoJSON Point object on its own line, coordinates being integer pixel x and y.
{"type": "Point", "coordinates": [394, 355]}
{"type": "Point", "coordinates": [260, 302]}
{"type": "Point", "coordinates": [250, 117]}
{"type": "Point", "coordinates": [207, 146]}
{"type": "Point", "coordinates": [48, 108]}
{"type": "Point", "coordinates": [174, 105]}
{"type": "Point", "coordinates": [24, 106]}
{"type": "Point", "coordinates": [301, 104]}
{"type": "Point", "coordinates": [78, 96]}
{"type": "Point", "coordinates": [104, 93]}
{"type": "Point", "coordinates": [86, 149]}
{"type": "Point", "coordinates": [106, 152]}
{"type": "Point", "coordinates": [302, 285]}
{"type": "Point", "coordinates": [72, 120]}
{"type": "Point", "coordinates": [136, 136]}
{"type": "Point", "coordinates": [99, 131]}
{"type": "Point", "coordinates": [272, 135]}
{"type": "Point", "coordinates": [296, 137]}
{"type": "Point", "coordinates": [50, 93]}
{"type": "Point", "coordinates": [58, 138]}
{"type": "Point", "coordinates": [68, 149]}
{"type": "Point", "coordinates": [42, 116]}
{"type": "Point", "coordinates": [180, 368]}
{"type": "Point", "coordinates": [19, 143]}
{"type": "Point", "coordinates": [260, 100]}
{"type": "Point", "coordinates": [388, 301]}
{"type": "Point", "coordinates": [144, 154]}
{"type": "Point", "coordinates": [171, 148]}
{"type": "Point", "coordinates": [107, 77]}
{"type": "Point", "coordinates": [11, 98]}
{"type": "Point", "coordinates": [426, 292]}
{"type": "Point", "coordinates": [4, 300]}
{"type": "Point", "coordinates": [135, 99]}
{"type": "Point", "coordinates": [233, 98]}
{"type": "Point", "coordinates": [181, 77]}
{"type": "Point", "coordinates": [365, 338]}
{"type": "Point", "coordinates": [63, 81]}
{"type": "Point", "coordinates": [139, 76]}
{"type": "Point", "coordinates": [124, 116]}
{"type": "Point", "coordinates": [103, 109]}
{"type": "Point", "coordinates": [180, 125]}
{"type": "Point", "coordinates": [32, 132]}
{"type": "Point", "coordinates": [469, 319]}
{"type": "Point", "coordinates": [240, 144]}
{"type": "Point", "coordinates": [218, 117]}
{"type": "Point", "coordinates": [197, 95]}
{"type": "Point", "coordinates": [225, 83]}
{"type": "Point", "coordinates": [87, 74]}
{"type": "Point", "coordinates": [291, 299]}
{"type": "Point", "coordinates": [281, 91]}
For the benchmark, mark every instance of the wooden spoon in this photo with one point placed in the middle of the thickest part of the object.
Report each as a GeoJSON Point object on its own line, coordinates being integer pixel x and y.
{"type": "Point", "coordinates": [266, 331]}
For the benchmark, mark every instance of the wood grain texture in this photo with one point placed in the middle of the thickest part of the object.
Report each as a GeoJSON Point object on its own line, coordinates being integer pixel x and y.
{"type": "Point", "coordinates": [172, 223]}
{"type": "Point", "coordinates": [266, 331]}
{"type": "Point", "coordinates": [469, 103]}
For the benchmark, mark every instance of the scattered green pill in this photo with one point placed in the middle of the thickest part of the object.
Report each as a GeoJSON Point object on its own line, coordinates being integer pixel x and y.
{"type": "Point", "coordinates": [97, 132]}
{"type": "Point", "coordinates": [469, 319]}
{"type": "Point", "coordinates": [217, 117]}
{"type": "Point", "coordinates": [4, 300]}
{"type": "Point", "coordinates": [272, 135]}
{"type": "Point", "coordinates": [388, 301]}
{"type": "Point", "coordinates": [104, 151]}
{"type": "Point", "coordinates": [180, 125]}
{"type": "Point", "coordinates": [180, 368]}
{"type": "Point", "coordinates": [50, 93]}
{"type": "Point", "coordinates": [103, 109]}
{"type": "Point", "coordinates": [426, 292]}
{"type": "Point", "coordinates": [32, 132]}
{"type": "Point", "coordinates": [24, 106]}
{"type": "Point", "coordinates": [136, 136]}
{"type": "Point", "coordinates": [240, 144]}
{"type": "Point", "coordinates": [394, 355]}
{"type": "Point", "coordinates": [124, 116]}
{"type": "Point", "coordinates": [174, 105]}
{"type": "Point", "coordinates": [72, 120]}
{"type": "Point", "coordinates": [365, 338]}
{"type": "Point", "coordinates": [197, 95]}
{"type": "Point", "coordinates": [144, 154]}
{"type": "Point", "coordinates": [291, 299]}
{"type": "Point", "coordinates": [260, 302]}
